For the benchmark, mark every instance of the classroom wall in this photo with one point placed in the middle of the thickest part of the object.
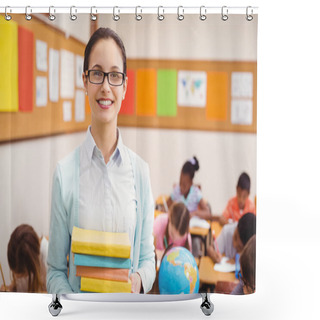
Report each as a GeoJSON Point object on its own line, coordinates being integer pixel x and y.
{"type": "Point", "coordinates": [26, 167]}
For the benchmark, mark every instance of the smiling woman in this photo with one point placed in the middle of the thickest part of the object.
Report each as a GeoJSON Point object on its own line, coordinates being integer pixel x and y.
{"type": "Point", "coordinates": [102, 185]}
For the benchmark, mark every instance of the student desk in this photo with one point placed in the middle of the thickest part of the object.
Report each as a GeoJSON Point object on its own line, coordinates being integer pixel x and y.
{"type": "Point", "coordinates": [216, 228]}
{"type": "Point", "coordinates": [210, 276]}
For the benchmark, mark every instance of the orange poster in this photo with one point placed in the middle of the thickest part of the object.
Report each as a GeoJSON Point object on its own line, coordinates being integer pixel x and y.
{"type": "Point", "coordinates": [217, 96]}
{"type": "Point", "coordinates": [146, 92]}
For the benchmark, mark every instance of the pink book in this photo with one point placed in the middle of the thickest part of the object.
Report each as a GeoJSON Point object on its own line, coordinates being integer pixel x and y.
{"type": "Point", "coordinates": [103, 273]}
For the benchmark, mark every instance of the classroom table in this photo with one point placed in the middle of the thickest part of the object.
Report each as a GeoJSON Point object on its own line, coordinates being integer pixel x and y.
{"type": "Point", "coordinates": [216, 228]}
{"type": "Point", "coordinates": [210, 276]}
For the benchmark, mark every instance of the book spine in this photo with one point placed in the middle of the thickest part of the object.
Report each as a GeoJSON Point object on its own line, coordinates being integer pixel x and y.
{"type": "Point", "coordinates": [107, 250]}
{"type": "Point", "coordinates": [107, 286]}
{"type": "Point", "coordinates": [99, 261]}
{"type": "Point", "coordinates": [103, 273]}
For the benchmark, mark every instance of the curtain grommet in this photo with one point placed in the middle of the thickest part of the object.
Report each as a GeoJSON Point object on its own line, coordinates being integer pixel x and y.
{"type": "Point", "coordinates": [180, 15]}
{"type": "Point", "coordinates": [28, 16]}
{"type": "Point", "coordinates": [224, 13]}
{"type": "Point", "coordinates": [73, 16]}
{"type": "Point", "coordinates": [7, 16]}
{"type": "Point", "coordinates": [160, 16]}
{"type": "Point", "coordinates": [249, 17]}
{"type": "Point", "coordinates": [52, 17]}
{"type": "Point", "coordinates": [203, 12]}
{"type": "Point", "coordinates": [93, 17]}
{"type": "Point", "coordinates": [138, 16]}
{"type": "Point", "coordinates": [115, 17]}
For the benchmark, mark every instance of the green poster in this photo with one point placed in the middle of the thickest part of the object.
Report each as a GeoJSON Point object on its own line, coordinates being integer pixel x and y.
{"type": "Point", "coordinates": [167, 93]}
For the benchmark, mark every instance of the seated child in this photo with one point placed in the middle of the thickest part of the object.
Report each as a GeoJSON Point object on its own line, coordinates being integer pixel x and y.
{"type": "Point", "coordinates": [188, 193]}
{"type": "Point", "coordinates": [248, 266]}
{"type": "Point", "coordinates": [27, 256]}
{"type": "Point", "coordinates": [233, 238]}
{"type": "Point", "coordinates": [191, 196]}
{"type": "Point", "coordinates": [240, 204]}
{"type": "Point", "coordinates": [172, 228]}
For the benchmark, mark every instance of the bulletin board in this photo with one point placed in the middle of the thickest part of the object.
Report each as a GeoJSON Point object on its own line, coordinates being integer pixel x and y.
{"type": "Point", "coordinates": [171, 94]}
{"type": "Point", "coordinates": [30, 120]}
{"type": "Point", "coordinates": [158, 99]}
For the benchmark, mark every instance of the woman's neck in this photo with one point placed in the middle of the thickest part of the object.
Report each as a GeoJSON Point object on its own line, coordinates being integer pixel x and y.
{"type": "Point", "coordinates": [105, 137]}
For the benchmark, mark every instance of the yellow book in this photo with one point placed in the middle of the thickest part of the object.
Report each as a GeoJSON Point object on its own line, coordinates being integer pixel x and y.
{"type": "Point", "coordinates": [108, 244]}
{"type": "Point", "coordinates": [108, 286]}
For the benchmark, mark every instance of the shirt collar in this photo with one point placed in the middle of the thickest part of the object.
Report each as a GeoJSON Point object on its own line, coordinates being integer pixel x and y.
{"type": "Point", "coordinates": [117, 156]}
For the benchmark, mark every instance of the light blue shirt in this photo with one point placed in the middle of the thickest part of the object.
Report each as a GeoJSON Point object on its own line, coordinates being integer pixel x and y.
{"type": "Point", "coordinates": [225, 240]}
{"type": "Point", "coordinates": [107, 199]}
{"type": "Point", "coordinates": [65, 215]}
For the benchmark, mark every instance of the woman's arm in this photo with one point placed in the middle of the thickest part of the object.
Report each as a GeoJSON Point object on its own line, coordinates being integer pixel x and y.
{"type": "Point", "coordinates": [146, 268]}
{"type": "Point", "coordinates": [59, 241]}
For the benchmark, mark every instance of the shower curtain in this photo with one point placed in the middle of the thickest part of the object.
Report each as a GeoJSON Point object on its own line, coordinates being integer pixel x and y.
{"type": "Point", "coordinates": [191, 97]}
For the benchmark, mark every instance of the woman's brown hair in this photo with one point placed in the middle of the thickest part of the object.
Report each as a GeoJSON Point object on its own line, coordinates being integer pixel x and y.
{"type": "Point", "coordinates": [24, 255]}
{"type": "Point", "coordinates": [104, 33]}
{"type": "Point", "coordinates": [248, 263]}
{"type": "Point", "coordinates": [179, 217]}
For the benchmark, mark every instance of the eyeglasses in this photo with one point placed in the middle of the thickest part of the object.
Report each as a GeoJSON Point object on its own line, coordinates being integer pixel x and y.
{"type": "Point", "coordinates": [97, 77]}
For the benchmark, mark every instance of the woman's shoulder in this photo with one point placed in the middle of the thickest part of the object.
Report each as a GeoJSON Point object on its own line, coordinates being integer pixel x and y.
{"type": "Point", "coordinates": [140, 166]}
{"type": "Point", "coordinates": [135, 157]}
{"type": "Point", "coordinates": [70, 158]}
{"type": "Point", "coordinates": [67, 168]}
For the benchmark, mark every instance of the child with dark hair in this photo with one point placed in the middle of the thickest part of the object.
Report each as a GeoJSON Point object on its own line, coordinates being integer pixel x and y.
{"type": "Point", "coordinates": [172, 228]}
{"type": "Point", "coordinates": [27, 260]}
{"type": "Point", "coordinates": [188, 193]}
{"type": "Point", "coordinates": [191, 195]}
{"type": "Point", "coordinates": [240, 204]}
{"type": "Point", "coordinates": [233, 238]}
{"type": "Point", "coordinates": [248, 266]}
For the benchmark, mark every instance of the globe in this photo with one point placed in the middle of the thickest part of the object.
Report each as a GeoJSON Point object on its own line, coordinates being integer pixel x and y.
{"type": "Point", "coordinates": [178, 272]}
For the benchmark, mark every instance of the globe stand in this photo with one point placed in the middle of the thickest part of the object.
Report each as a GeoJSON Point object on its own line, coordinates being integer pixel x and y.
{"type": "Point", "coordinates": [206, 305]}
{"type": "Point", "coordinates": [55, 306]}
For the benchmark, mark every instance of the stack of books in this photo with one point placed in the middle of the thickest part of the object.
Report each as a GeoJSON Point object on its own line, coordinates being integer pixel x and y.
{"type": "Point", "coordinates": [102, 260]}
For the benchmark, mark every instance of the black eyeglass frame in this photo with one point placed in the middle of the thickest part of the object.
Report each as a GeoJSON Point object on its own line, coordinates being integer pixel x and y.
{"type": "Point", "coordinates": [105, 74]}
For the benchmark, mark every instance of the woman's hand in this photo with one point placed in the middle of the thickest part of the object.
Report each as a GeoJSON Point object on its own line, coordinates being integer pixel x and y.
{"type": "Point", "coordinates": [135, 282]}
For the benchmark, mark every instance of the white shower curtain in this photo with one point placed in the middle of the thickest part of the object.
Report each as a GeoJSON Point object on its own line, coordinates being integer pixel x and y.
{"type": "Point", "coordinates": [192, 91]}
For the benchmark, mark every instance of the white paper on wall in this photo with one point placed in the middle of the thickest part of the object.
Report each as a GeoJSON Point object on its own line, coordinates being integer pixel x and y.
{"type": "Point", "coordinates": [192, 88]}
{"type": "Point", "coordinates": [242, 85]}
{"type": "Point", "coordinates": [67, 111]}
{"type": "Point", "coordinates": [66, 74]}
{"type": "Point", "coordinates": [41, 55]}
{"type": "Point", "coordinates": [41, 92]}
{"type": "Point", "coordinates": [80, 106]}
{"type": "Point", "coordinates": [53, 75]}
{"type": "Point", "coordinates": [79, 70]}
{"type": "Point", "coordinates": [241, 111]}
